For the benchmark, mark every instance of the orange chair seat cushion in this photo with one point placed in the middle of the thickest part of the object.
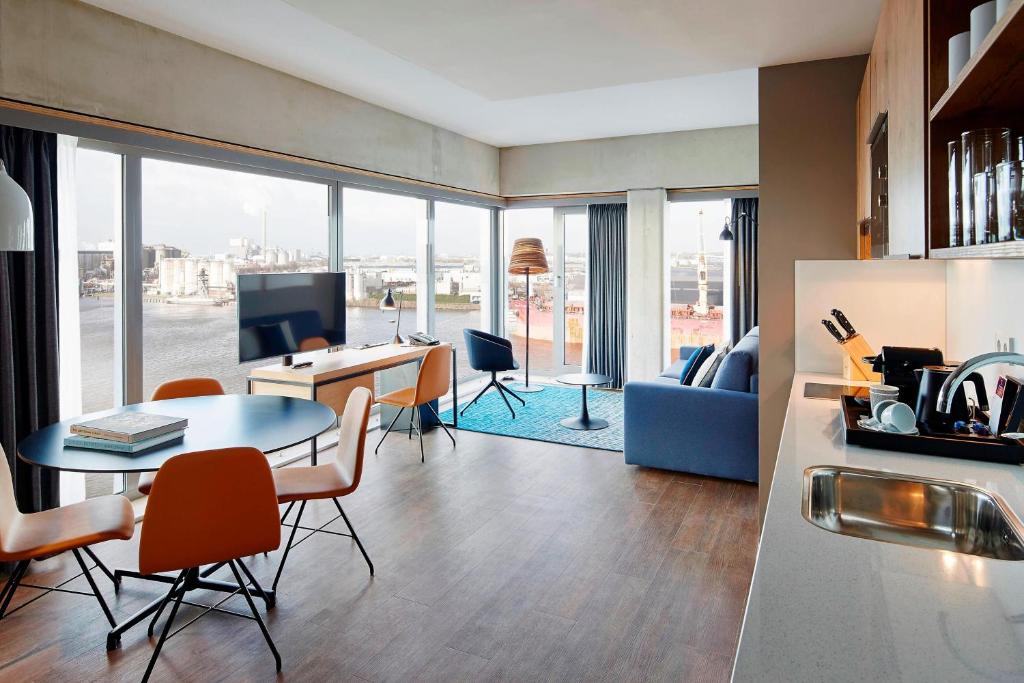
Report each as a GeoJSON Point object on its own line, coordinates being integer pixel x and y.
{"type": "Point", "coordinates": [310, 483]}
{"type": "Point", "coordinates": [402, 398]}
{"type": "Point", "coordinates": [68, 527]}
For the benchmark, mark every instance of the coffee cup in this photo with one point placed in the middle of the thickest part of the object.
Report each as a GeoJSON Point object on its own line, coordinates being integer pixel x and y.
{"type": "Point", "coordinates": [898, 417]}
{"type": "Point", "coordinates": [882, 392]}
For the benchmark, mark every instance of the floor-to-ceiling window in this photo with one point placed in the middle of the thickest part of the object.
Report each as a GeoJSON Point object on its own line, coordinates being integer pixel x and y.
{"type": "Point", "coordinates": [90, 191]}
{"type": "Point", "coordinates": [574, 284]}
{"type": "Point", "coordinates": [201, 227]}
{"type": "Point", "coordinates": [698, 272]}
{"type": "Point", "coordinates": [558, 298]}
{"type": "Point", "coordinates": [539, 223]}
{"type": "Point", "coordinates": [383, 235]}
{"type": "Point", "coordinates": [462, 247]}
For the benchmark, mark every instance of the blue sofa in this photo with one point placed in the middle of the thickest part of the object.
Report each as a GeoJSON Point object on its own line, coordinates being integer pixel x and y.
{"type": "Point", "coordinates": [710, 431]}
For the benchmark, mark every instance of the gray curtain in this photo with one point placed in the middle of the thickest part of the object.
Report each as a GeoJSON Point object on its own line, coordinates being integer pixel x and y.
{"type": "Point", "coordinates": [744, 266]}
{"type": "Point", "coordinates": [29, 398]}
{"type": "Point", "coordinates": [606, 346]}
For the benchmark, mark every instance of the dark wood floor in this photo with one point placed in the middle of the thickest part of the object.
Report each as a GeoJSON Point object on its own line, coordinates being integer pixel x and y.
{"type": "Point", "coordinates": [502, 560]}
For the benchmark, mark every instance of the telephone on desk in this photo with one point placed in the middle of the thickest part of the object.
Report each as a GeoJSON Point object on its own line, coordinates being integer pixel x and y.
{"type": "Point", "coordinates": [422, 339]}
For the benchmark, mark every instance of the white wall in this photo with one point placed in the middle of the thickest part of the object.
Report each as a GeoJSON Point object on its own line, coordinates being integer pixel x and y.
{"type": "Point", "coordinates": [983, 301]}
{"type": "Point", "coordinates": [694, 158]}
{"type": "Point", "coordinates": [891, 303]}
{"type": "Point", "coordinates": [73, 56]}
{"type": "Point", "coordinates": [646, 283]}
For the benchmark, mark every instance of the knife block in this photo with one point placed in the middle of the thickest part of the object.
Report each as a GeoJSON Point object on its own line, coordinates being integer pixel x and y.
{"type": "Point", "coordinates": [854, 367]}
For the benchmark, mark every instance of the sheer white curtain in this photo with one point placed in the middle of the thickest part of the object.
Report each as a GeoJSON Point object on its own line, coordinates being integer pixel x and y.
{"type": "Point", "coordinates": [72, 485]}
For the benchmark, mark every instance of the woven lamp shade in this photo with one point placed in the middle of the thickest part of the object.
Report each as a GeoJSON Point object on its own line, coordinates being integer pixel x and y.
{"type": "Point", "coordinates": [528, 257]}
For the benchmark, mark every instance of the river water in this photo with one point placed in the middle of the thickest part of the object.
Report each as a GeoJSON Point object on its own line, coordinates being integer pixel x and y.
{"type": "Point", "coordinates": [182, 340]}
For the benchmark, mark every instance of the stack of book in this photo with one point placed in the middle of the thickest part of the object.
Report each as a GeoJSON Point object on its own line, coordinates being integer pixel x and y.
{"type": "Point", "coordinates": [127, 432]}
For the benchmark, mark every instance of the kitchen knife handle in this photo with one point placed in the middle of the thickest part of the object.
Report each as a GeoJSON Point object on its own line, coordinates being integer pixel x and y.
{"type": "Point", "coordinates": [833, 330]}
{"type": "Point", "coordinates": [843, 322]}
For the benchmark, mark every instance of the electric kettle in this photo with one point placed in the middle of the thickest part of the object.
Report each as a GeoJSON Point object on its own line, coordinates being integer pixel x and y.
{"type": "Point", "coordinates": [930, 379]}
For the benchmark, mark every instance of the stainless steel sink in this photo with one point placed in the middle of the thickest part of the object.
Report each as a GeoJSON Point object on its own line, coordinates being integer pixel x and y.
{"type": "Point", "coordinates": [915, 511]}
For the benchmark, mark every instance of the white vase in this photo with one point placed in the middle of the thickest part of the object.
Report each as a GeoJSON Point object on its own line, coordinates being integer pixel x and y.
{"type": "Point", "coordinates": [983, 18]}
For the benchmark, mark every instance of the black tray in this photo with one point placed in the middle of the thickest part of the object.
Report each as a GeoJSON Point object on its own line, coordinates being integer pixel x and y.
{"type": "Point", "coordinates": [963, 446]}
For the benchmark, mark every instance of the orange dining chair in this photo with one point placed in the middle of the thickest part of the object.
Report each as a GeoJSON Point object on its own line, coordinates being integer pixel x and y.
{"type": "Point", "coordinates": [25, 537]}
{"type": "Point", "coordinates": [209, 507]}
{"type": "Point", "coordinates": [186, 387]}
{"type": "Point", "coordinates": [330, 480]}
{"type": "Point", "coordinates": [432, 383]}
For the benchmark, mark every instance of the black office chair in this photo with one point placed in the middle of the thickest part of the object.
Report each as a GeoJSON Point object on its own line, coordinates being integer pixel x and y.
{"type": "Point", "coordinates": [492, 354]}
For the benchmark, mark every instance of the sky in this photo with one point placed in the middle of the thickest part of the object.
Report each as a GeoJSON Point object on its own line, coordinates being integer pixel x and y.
{"type": "Point", "coordinates": [199, 209]}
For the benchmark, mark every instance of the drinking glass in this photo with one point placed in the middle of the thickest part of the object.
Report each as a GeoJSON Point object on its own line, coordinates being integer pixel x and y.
{"type": "Point", "coordinates": [976, 157]}
{"type": "Point", "coordinates": [956, 232]}
{"type": "Point", "coordinates": [1010, 200]}
{"type": "Point", "coordinates": [985, 219]}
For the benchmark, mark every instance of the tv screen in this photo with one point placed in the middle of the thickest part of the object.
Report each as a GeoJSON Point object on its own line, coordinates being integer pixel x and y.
{"type": "Point", "coordinates": [285, 313]}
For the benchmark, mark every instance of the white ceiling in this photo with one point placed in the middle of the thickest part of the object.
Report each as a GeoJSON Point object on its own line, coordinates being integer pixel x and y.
{"type": "Point", "coordinates": [530, 71]}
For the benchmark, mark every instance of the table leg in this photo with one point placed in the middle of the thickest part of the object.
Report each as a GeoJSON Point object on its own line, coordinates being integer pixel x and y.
{"type": "Point", "coordinates": [584, 422]}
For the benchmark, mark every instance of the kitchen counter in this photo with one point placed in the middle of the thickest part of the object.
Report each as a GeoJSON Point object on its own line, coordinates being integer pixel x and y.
{"type": "Point", "coordinates": [828, 607]}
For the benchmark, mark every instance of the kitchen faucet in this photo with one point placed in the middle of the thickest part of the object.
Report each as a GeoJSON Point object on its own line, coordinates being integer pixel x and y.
{"type": "Point", "coordinates": [957, 377]}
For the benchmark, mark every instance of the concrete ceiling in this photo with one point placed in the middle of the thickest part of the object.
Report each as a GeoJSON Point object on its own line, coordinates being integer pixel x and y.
{"type": "Point", "coordinates": [530, 71]}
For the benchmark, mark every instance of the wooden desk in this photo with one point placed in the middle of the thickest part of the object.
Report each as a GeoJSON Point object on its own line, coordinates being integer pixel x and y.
{"type": "Point", "coordinates": [333, 376]}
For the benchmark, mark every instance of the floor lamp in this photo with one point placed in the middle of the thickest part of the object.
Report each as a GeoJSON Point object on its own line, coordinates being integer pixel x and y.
{"type": "Point", "coordinates": [528, 258]}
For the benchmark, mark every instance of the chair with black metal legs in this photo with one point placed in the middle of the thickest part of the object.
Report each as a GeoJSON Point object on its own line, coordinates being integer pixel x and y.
{"type": "Point", "coordinates": [25, 537]}
{"type": "Point", "coordinates": [331, 480]}
{"type": "Point", "coordinates": [432, 383]}
{"type": "Point", "coordinates": [493, 354]}
{"type": "Point", "coordinates": [209, 507]}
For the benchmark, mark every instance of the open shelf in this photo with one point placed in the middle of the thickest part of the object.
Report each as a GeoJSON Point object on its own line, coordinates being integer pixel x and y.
{"type": "Point", "coordinates": [994, 76]}
{"type": "Point", "coordinates": [997, 250]}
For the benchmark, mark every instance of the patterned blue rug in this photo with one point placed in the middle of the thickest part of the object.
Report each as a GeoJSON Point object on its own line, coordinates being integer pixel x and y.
{"type": "Point", "coordinates": [539, 420]}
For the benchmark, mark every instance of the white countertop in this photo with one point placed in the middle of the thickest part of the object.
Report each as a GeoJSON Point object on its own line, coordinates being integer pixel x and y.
{"type": "Point", "coordinates": [828, 607]}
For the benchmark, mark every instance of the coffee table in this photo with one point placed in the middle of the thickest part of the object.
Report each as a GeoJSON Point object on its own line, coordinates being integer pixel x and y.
{"type": "Point", "coordinates": [586, 379]}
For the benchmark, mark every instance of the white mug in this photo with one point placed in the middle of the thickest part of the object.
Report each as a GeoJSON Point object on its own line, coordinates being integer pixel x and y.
{"type": "Point", "coordinates": [899, 417]}
{"type": "Point", "coordinates": [983, 18]}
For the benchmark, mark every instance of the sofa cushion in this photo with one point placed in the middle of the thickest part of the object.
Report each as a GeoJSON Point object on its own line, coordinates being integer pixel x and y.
{"type": "Point", "coordinates": [675, 371]}
{"type": "Point", "coordinates": [740, 365]}
{"type": "Point", "coordinates": [709, 378]}
{"type": "Point", "coordinates": [711, 362]}
{"type": "Point", "coordinates": [688, 364]}
{"type": "Point", "coordinates": [695, 363]}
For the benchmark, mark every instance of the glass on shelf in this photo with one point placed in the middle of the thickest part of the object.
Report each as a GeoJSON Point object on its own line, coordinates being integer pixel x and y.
{"type": "Point", "coordinates": [1010, 200]}
{"type": "Point", "coordinates": [985, 220]}
{"type": "Point", "coordinates": [976, 157]}
{"type": "Point", "coordinates": [956, 233]}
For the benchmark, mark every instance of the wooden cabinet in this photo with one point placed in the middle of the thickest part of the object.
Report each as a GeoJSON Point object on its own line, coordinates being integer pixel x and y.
{"type": "Point", "coordinates": [894, 90]}
{"type": "Point", "coordinates": [989, 92]}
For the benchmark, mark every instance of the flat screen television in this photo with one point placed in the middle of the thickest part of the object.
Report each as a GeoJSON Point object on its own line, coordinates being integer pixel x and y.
{"type": "Point", "coordinates": [280, 314]}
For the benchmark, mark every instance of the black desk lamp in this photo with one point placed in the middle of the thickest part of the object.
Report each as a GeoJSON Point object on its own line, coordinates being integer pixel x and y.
{"type": "Point", "coordinates": [388, 304]}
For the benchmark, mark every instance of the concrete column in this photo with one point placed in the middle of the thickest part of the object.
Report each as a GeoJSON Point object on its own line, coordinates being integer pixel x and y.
{"type": "Point", "coordinates": [646, 283]}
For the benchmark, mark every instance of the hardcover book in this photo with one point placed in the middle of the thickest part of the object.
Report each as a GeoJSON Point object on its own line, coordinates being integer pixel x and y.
{"type": "Point", "coordinates": [129, 427]}
{"type": "Point", "coordinates": [92, 443]}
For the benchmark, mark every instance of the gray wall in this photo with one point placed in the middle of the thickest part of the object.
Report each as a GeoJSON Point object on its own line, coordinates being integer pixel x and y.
{"type": "Point", "coordinates": [68, 55]}
{"type": "Point", "coordinates": [694, 158]}
{"type": "Point", "coordinates": [808, 196]}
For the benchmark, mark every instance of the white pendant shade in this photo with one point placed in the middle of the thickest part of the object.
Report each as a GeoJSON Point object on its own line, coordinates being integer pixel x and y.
{"type": "Point", "coordinates": [16, 224]}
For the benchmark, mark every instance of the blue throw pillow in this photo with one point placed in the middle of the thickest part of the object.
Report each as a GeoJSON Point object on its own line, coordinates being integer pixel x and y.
{"type": "Point", "coordinates": [690, 362]}
{"type": "Point", "coordinates": [694, 363]}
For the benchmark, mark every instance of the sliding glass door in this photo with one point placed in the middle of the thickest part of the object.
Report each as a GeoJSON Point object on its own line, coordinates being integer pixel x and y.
{"type": "Point", "coordinates": [558, 298]}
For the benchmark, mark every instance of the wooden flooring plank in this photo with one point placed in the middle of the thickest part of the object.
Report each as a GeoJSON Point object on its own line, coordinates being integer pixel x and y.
{"type": "Point", "coordinates": [499, 560]}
